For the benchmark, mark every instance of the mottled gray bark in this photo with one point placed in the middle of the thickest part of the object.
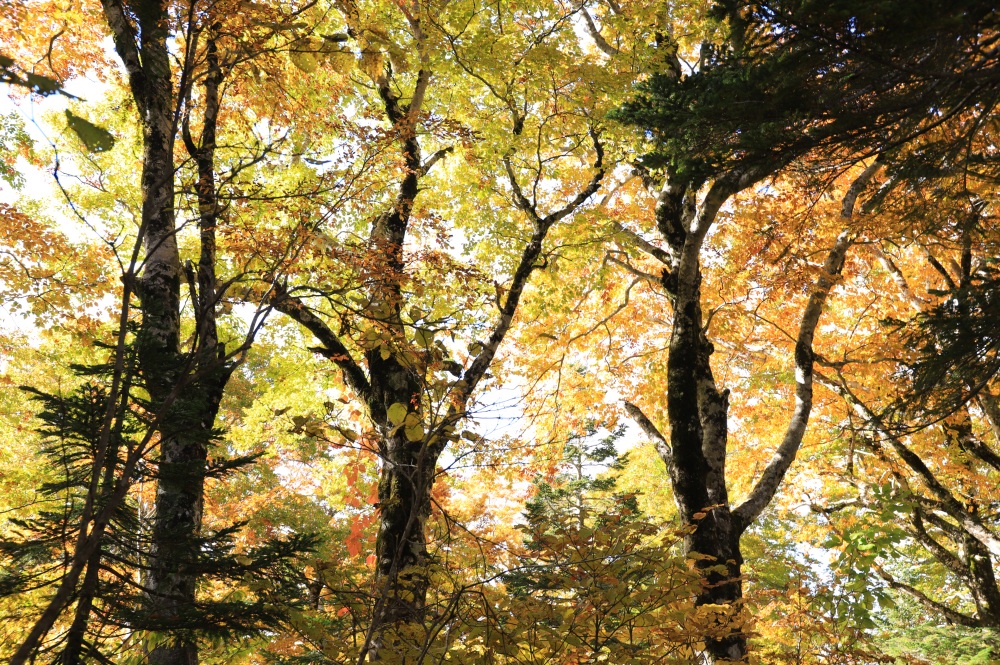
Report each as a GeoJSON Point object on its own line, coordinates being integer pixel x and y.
{"type": "Point", "coordinates": [193, 381]}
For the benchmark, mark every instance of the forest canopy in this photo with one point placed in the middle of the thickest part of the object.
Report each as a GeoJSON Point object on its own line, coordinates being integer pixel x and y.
{"type": "Point", "coordinates": [531, 332]}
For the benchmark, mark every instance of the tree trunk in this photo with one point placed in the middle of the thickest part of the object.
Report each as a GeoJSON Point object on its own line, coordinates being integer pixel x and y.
{"type": "Point", "coordinates": [187, 430]}
{"type": "Point", "coordinates": [193, 381]}
{"type": "Point", "coordinates": [698, 411]}
{"type": "Point", "coordinates": [408, 464]}
{"type": "Point", "coordinates": [405, 483]}
{"type": "Point", "coordinates": [698, 439]}
{"type": "Point", "coordinates": [178, 504]}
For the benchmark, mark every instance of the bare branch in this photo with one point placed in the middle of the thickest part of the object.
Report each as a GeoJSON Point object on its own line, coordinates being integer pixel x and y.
{"type": "Point", "coordinates": [657, 253]}
{"type": "Point", "coordinates": [124, 35]}
{"type": "Point", "coordinates": [988, 404]}
{"type": "Point", "coordinates": [434, 159]}
{"type": "Point", "coordinates": [520, 200]}
{"type": "Point", "coordinates": [940, 552]}
{"type": "Point", "coordinates": [595, 34]}
{"type": "Point", "coordinates": [417, 100]}
{"type": "Point", "coordinates": [656, 436]}
{"type": "Point", "coordinates": [916, 304]}
{"type": "Point", "coordinates": [652, 279]}
{"type": "Point", "coordinates": [941, 270]}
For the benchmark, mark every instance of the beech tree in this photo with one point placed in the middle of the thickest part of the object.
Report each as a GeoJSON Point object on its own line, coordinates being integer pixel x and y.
{"type": "Point", "coordinates": [389, 347]}
{"type": "Point", "coordinates": [765, 56]}
{"type": "Point", "coordinates": [183, 379]}
{"type": "Point", "coordinates": [689, 214]}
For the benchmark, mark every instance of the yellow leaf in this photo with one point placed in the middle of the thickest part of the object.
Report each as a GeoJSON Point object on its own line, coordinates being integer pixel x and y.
{"type": "Point", "coordinates": [397, 413]}
{"type": "Point", "coordinates": [307, 62]}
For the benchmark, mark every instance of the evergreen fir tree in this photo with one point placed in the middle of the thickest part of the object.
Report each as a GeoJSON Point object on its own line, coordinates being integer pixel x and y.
{"type": "Point", "coordinates": [604, 579]}
{"type": "Point", "coordinates": [98, 445]}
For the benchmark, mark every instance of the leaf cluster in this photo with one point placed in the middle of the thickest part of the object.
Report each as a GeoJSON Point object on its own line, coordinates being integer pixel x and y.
{"type": "Point", "coordinates": [841, 78]}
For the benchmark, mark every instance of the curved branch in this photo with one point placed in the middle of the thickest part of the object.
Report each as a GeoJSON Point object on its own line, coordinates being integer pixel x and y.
{"type": "Point", "coordinates": [916, 304]}
{"type": "Point", "coordinates": [595, 34]}
{"type": "Point", "coordinates": [434, 159]}
{"type": "Point", "coordinates": [609, 257]}
{"type": "Point", "coordinates": [991, 410]}
{"type": "Point", "coordinates": [940, 552]}
{"type": "Point", "coordinates": [661, 442]}
{"type": "Point", "coordinates": [332, 347]}
{"type": "Point", "coordinates": [661, 255]}
{"type": "Point", "coordinates": [124, 36]}
{"type": "Point", "coordinates": [775, 470]}
{"type": "Point", "coordinates": [525, 267]}
{"type": "Point", "coordinates": [951, 615]}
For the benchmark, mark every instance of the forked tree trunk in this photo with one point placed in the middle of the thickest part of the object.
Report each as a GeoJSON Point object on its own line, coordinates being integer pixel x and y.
{"type": "Point", "coordinates": [194, 381]}
{"type": "Point", "coordinates": [697, 411]}
{"type": "Point", "coordinates": [409, 463]}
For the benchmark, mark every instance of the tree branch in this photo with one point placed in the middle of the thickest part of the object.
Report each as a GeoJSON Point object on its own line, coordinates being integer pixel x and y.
{"type": "Point", "coordinates": [948, 503]}
{"type": "Point", "coordinates": [970, 443]}
{"type": "Point", "coordinates": [596, 35]}
{"type": "Point", "coordinates": [652, 279]}
{"type": "Point", "coordinates": [526, 266]}
{"type": "Point", "coordinates": [916, 304]}
{"type": "Point", "coordinates": [657, 253]}
{"type": "Point", "coordinates": [661, 442]}
{"type": "Point", "coordinates": [332, 347]}
{"type": "Point", "coordinates": [775, 470]}
{"type": "Point", "coordinates": [988, 404]}
{"type": "Point", "coordinates": [941, 270]}
{"type": "Point", "coordinates": [434, 159]}
{"type": "Point", "coordinates": [940, 552]}
{"type": "Point", "coordinates": [417, 99]}
{"type": "Point", "coordinates": [951, 615]}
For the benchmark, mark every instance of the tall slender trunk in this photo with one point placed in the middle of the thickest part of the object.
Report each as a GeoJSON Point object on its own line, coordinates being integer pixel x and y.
{"type": "Point", "coordinates": [698, 438]}
{"type": "Point", "coordinates": [187, 432]}
{"type": "Point", "coordinates": [408, 466]}
{"type": "Point", "coordinates": [195, 378]}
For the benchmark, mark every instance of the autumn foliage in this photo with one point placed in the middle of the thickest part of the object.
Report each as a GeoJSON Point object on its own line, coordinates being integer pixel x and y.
{"type": "Point", "coordinates": [523, 333]}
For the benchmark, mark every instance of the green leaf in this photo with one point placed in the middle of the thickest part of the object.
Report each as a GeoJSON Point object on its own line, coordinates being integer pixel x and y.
{"type": "Point", "coordinates": [415, 433]}
{"type": "Point", "coordinates": [43, 85]}
{"type": "Point", "coordinates": [304, 60]}
{"type": "Point", "coordinates": [397, 413]}
{"type": "Point", "coordinates": [97, 139]}
{"type": "Point", "coordinates": [424, 337]}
